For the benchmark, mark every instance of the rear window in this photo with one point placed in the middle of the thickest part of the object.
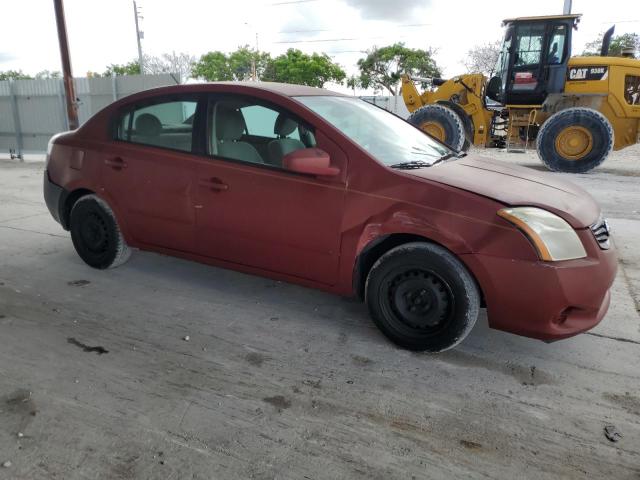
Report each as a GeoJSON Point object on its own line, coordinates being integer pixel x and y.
{"type": "Point", "coordinates": [164, 124]}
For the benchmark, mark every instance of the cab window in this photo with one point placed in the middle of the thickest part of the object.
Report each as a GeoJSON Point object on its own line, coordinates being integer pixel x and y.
{"type": "Point", "coordinates": [529, 39]}
{"type": "Point", "coordinates": [164, 124]}
{"type": "Point", "coordinates": [555, 54]}
{"type": "Point", "coordinates": [252, 132]}
{"type": "Point", "coordinates": [632, 89]}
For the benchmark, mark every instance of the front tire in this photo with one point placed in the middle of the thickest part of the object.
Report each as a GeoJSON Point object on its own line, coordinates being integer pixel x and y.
{"type": "Point", "coordinates": [575, 140]}
{"type": "Point", "coordinates": [422, 297]}
{"type": "Point", "coordinates": [443, 124]}
{"type": "Point", "coordinates": [96, 235]}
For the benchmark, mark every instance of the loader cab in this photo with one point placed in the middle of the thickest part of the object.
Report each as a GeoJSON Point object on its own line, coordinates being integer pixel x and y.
{"type": "Point", "coordinates": [533, 59]}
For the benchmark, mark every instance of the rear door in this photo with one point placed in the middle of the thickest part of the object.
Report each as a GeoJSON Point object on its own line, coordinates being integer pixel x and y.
{"type": "Point", "coordinates": [259, 214]}
{"type": "Point", "coordinates": [150, 168]}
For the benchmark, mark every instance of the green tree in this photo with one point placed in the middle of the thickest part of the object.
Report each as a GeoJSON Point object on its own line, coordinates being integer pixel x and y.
{"type": "Point", "coordinates": [238, 65]}
{"type": "Point", "coordinates": [131, 68]}
{"type": "Point", "coordinates": [48, 74]}
{"type": "Point", "coordinates": [294, 66]}
{"type": "Point", "coordinates": [242, 62]}
{"type": "Point", "coordinates": [382, 67]}
{"type": "Point", "coordinates": [618, 43]}
{"type": "Point", "coordinates": [14, 75]}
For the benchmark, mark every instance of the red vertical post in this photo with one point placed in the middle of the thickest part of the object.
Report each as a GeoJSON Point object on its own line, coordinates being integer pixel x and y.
{"type": "Point", "coordinates": [69, 88]}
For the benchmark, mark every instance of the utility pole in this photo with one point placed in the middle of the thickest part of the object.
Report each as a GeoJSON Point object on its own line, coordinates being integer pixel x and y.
{"type": "Point", "coordinates": [139, 36]}
{"type": "Point", "coordinates": [67, 77]}
{"type": "Point", "coordinates": [254, 57]}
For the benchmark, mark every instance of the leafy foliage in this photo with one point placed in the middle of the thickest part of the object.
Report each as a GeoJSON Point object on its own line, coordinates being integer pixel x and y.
{"type": "Point", "coordinates": [483, 58]}
{"type": "Point", "coordinates": [295, 66]}
{"type": "Point", "coordinates": [383, 67]}
{"type": "Point", "coordinates": [48, 74]}
{"type": "Point", "coordinates": [238, 65]}
{"type": "Point", "coordinates": [14, 75]}
{"type": "Point", "coordinates": [131, 68]}
{"type": "Point", "coordinates": [618, 43]}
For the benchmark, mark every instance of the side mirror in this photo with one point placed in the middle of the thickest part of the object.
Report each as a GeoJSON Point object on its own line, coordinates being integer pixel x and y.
{"type": "Point", "coordinates": [312, 161]}
{"type": "Point", "coordinates": [494, 87]}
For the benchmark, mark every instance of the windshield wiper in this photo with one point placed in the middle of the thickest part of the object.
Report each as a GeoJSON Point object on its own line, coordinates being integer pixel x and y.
{"type": "Point", "coordinates": [450, 155]}
{"type": "Point", "coordinates": [411, 165]}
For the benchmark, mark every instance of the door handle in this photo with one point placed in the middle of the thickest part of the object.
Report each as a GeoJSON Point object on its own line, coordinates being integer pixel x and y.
{"type": "Point", "coordinates": [214, 184]}
{"type": "Point", "coordinates": [116, 163]}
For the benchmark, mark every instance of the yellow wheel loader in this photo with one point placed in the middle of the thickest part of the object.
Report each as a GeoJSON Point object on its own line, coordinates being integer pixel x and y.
{"type": "Point", "coordinates": [575, 109]}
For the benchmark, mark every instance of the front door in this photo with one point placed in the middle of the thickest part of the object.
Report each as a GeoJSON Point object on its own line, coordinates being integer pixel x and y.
{"type": "Point", "coordinates": [250, 210]}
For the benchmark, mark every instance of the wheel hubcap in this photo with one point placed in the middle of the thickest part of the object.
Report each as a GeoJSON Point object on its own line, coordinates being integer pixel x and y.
{"type": "Point", "coordinates": [94, 233]}
{"type": "Point", "coordinates": [574, 142]}
{"type": "Point", "coordinates": [420, 299]}
{"type": "Point", "coordinates": [434, 129]}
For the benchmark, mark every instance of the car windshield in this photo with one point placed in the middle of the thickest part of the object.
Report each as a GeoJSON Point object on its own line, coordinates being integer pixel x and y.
{"type": "Point", "coordinates": [387, 137]}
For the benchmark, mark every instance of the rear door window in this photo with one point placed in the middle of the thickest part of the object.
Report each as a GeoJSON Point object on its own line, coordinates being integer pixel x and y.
{"type": "Point", "coordinates": [166, 124]}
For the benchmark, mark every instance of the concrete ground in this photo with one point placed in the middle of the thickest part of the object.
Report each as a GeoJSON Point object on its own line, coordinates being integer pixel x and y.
{"type": "Point", "coordinates": [97, 380]}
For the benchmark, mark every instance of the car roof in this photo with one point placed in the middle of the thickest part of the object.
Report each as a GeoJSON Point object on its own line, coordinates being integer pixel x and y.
{"type": "Point", "coordinates": [285, 89]}
{"type": "Point", "coordinates": [288, 89]}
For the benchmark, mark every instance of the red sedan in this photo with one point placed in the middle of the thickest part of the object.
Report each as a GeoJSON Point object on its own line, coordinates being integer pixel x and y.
{"type": "Point", "coordinates": [325, 190]}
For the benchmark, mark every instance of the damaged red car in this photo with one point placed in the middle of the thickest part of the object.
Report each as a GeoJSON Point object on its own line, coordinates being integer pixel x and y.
{"type": "Point", "coordinates": [325, 190]}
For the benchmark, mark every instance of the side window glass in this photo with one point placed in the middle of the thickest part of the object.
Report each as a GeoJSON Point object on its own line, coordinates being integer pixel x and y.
{"type": "Point", "coordinates": [167, 124]}
{"type": "Point", "coordinates": [632, 89]}
{"type": "Point", "coordinates": [556, 45]}
{"type": "Point", "coordinates": [123, 126]}
{"type": "Point", "coordinates": [255, 133]}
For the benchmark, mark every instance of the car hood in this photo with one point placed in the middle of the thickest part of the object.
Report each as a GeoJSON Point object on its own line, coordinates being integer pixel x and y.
{"type": "Point", "coordinates": [514, 185]}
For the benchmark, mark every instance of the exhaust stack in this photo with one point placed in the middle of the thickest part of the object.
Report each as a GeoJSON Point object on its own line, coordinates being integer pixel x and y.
{"type": "Point", "coordinates": [606, 41]}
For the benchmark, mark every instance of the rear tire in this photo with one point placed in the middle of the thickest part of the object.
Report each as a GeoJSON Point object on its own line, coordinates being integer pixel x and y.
{"type": "Point", "coordinates": [96, 235]}
{"type": "Point", "coordinates": [575, 140]}
{"type": "Point", "coordinates": [422, 297]}
{"type": "Point", "coordinates": [443, 124]}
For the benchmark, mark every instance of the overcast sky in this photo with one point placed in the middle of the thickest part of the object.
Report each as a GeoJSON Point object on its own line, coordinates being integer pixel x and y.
{"type": "Point", "coordinates": [103, 32]}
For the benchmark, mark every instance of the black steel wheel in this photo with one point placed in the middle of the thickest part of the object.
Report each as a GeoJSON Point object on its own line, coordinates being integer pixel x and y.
{"type": "Point", "coordinates": [422, 297]}
{"type": "Point", "coordinates": [96, 235]}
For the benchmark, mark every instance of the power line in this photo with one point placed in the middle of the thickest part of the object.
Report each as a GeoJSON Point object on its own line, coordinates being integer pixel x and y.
{"type": "Point", "coordinates": [621, 21]}
{"type": "Point", "coordinates": [322, 40]}
{"type": "Point", "coordinates": [294, 1]}
{"type": "Point", "coordinates": [353, 39]}
{"type": "Point", "coordinates": [407, 25]}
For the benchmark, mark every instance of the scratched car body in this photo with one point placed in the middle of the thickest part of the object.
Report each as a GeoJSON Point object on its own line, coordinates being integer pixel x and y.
{"type": "Point", "coordinates": [324, 190]}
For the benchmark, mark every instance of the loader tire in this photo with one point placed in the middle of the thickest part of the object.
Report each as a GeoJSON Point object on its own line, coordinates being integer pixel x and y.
{"type": "Point", "coordinates": [443, 124]}
{"type": "Point", "coordinates": [575, 140]}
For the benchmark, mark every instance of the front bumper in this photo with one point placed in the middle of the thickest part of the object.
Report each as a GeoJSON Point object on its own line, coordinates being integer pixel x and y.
{"type": "Point", "coordinates": [55, 197]}
{"type": "Point", "coordinates": [547, 300]}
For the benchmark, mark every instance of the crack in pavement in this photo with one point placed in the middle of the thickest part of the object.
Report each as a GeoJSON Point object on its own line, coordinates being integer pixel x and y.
{"type": "Point", "coordinates": [617, 339]}
{"type": "Point", "coordinates": [32, 231]}
{"type": "Point", "coordinates": [7, 220]}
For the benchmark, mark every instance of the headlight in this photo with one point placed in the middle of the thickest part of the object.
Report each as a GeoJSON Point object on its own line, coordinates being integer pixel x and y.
{"type": "Point", "coordinates": [553, 238]}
